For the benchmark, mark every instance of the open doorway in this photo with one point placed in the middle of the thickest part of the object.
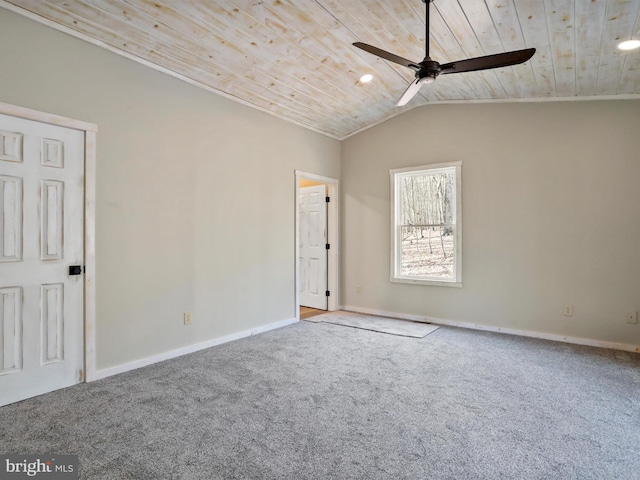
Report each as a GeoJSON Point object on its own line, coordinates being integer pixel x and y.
{"type": "Point", "coordinates": [316, 252]}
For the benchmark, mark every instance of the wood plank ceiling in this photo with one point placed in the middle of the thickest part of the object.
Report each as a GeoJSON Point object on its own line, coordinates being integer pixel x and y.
{"type": "Point", "coordinates": [294, 58]}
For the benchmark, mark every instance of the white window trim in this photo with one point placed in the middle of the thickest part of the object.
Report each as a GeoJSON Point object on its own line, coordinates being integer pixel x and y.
{"type": "Point", "coordinates": [395, 214]}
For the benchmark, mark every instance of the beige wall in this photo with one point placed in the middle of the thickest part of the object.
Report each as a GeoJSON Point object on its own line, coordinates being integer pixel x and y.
{"type": "Point", "coordinates": [551, 212]}
{"type": "Point", "coordinates": [195, 193]}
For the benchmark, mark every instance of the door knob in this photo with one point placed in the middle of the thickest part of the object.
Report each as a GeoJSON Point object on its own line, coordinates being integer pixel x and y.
{"type": "Point", "coordinates": [75, 270]}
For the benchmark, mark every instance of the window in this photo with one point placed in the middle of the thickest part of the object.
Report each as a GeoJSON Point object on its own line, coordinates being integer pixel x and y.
{"type": "Point", "coordinates": [426, 227]}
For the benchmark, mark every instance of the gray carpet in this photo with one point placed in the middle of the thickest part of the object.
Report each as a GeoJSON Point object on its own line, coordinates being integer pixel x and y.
{"type": "Point", "coordinates": [320, 401]}
{"type": "Point", "coordinates": [391, 326]}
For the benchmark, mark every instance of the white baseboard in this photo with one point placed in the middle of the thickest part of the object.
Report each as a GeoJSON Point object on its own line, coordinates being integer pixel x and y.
{"type": "Point", "coordinates": [143, 362]}
{"type": "Point", "coordinates": [490, 328]}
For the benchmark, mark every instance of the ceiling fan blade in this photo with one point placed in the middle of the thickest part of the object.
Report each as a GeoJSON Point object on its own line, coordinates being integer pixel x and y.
{"type": "Point", "coordinates": [490, 61]}
{"type": "Point", "coordinates": [410, 92]}
{"type": "Point", "coordinates": [387, 56]}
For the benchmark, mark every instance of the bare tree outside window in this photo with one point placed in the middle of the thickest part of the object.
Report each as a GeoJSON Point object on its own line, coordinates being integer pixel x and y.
{"type": "Point", "coordinates": [427, 228]}
{"type": "Point", "coordinates": [426, 223]}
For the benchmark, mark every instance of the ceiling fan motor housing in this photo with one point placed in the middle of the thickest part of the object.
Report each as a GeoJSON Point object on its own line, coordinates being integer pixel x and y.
{"type": "Point", "coordinates": [428, 68]}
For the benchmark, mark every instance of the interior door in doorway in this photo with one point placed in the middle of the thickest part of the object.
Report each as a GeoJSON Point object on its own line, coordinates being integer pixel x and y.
{"type": "Point", "coordinates": [313, 247]}
{"type": "Point", "coordinates": [41, 237]}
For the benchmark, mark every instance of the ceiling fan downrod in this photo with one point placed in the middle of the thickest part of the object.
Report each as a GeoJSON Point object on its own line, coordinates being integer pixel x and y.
{"type": "Point", "coordinates": [426, 28]}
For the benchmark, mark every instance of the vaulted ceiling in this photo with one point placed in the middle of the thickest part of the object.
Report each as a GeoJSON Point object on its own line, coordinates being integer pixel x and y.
{"type": "Point", "coordinates": [295, 59]}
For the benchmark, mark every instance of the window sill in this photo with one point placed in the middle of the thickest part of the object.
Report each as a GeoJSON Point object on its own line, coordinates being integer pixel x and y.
{"type": "Point", "coordinates": [434, 283]}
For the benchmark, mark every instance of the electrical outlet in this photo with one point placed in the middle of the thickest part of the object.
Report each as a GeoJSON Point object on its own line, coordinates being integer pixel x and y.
{"type": "Point", "coordinates": [631, 317]}
{"type": "Point", "coordinates": [358, 289]}
{"type": "Point", "coordinates": [187, 318]}
{"type": "Point", "coordinates": [568, 310]}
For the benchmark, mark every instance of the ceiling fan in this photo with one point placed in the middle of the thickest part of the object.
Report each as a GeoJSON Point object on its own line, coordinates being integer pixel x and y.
{"type": "Point", "coordinates": [428, 70]}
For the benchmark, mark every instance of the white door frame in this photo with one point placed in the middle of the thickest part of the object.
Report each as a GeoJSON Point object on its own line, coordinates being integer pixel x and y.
{"type": "Point", "coordinates": [333, 237]}
{"type": "Point", "coordinates": [90, 131]}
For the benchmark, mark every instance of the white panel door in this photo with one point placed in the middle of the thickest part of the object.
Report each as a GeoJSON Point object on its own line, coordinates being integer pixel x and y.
{"type": "Point", "coordinates": [313, 251]}
{"type": "Point", "coordinates": [41, 235]}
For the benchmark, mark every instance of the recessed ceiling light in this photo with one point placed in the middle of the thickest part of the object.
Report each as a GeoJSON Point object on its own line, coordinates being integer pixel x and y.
{"type": "Point", "coordinates": [366, 78]}
{"type": "Point", "coordinates": [629, 44]}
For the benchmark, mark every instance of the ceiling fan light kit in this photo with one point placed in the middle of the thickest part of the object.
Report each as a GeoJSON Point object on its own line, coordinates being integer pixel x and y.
{"type": "Point", "coordinates": [428, 70]}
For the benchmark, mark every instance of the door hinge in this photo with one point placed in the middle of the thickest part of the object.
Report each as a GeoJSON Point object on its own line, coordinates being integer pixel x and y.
{"type": "Point", "coordinates": [327, 293]}
{"type": "Point", "coordinates": [328, 199]}
{"type": "Point", "coordinates": [327, 246]}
